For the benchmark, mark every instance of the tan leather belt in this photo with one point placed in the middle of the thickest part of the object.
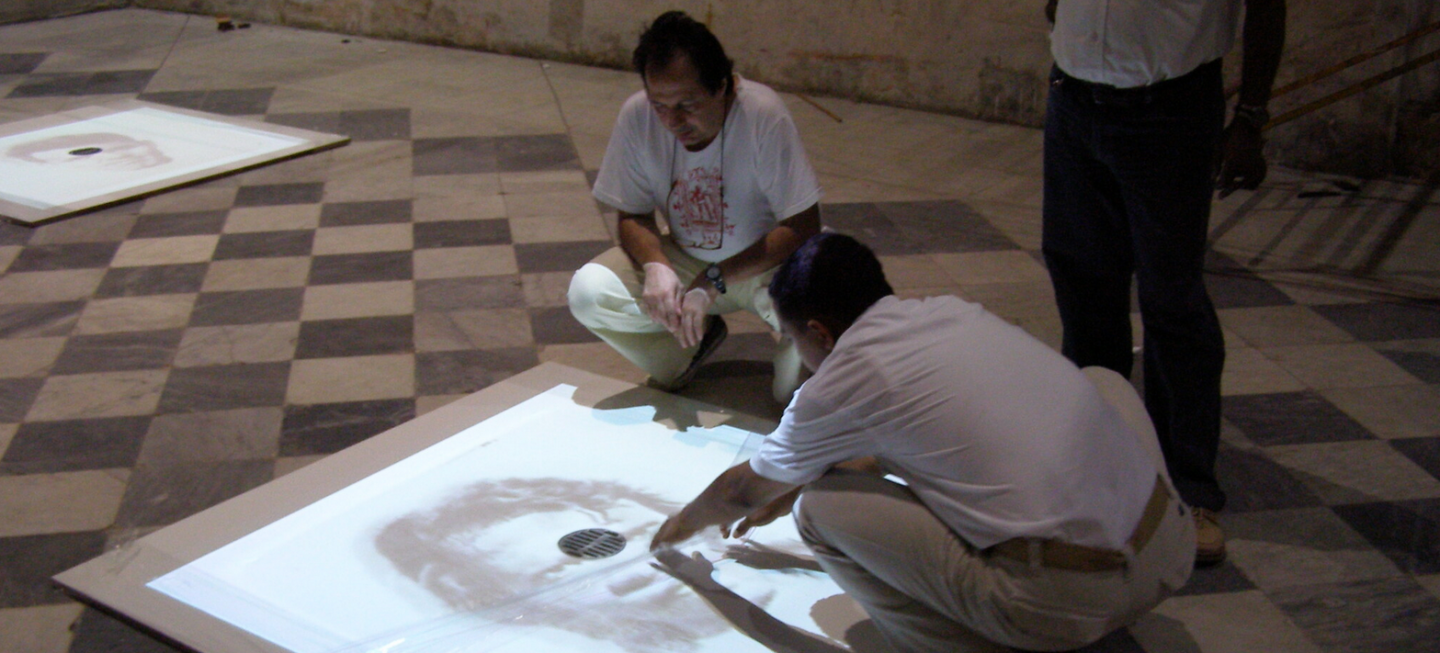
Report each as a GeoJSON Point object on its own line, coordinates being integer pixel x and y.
{"type": "Point", "coordinates": [1055, 554]}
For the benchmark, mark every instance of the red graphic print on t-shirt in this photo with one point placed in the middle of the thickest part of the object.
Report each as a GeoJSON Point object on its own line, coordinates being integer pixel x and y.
{"type": "Point", "coordinates": [697, 209]}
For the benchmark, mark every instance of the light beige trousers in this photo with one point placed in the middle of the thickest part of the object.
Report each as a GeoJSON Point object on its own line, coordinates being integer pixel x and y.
{"type": "Point", "coordinates": [605, 296]}
{"type": "Point", "coordinates": [927, 590]}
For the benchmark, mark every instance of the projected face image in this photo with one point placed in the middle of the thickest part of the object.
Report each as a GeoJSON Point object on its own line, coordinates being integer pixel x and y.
{"type": "Point", "coordinates": [97, 151]}
{"type": "Point", "coordinates": [497, 542]}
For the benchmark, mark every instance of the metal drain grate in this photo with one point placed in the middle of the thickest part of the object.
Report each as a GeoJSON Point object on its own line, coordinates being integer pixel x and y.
{"type": "Point", "coordinates": [592, 543]}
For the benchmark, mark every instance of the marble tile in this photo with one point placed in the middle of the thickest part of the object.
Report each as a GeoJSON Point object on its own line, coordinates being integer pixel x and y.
{"type": "Point", "coordinates": [547, 181]}
{"type": "Point", "coordinates": [534, 153]}
{"type": "Point", "coordinates": [472, 329]}
{"type": "Point", "coordinates": [1250, 372]}
{"type": "Point", "coordinates": [40, 629]}
{"type": "Point", "coordinates": [70, 256]}
{"type": "Point", "coordinates": [1339, 366]}
{"type": "Point", "coordinates": [73, 445]}
{"type": "Point", "coordinates": [165, 251]}
{"type": "Point", "coordinates": [1341, 472]}
{"type": "Point", "coordinates": [349, 214]}
{"type": "Point", "coordinates": [279, 194]}
{"type": "Point", "coordinates": [38, 320]}
{"type": "Point", "coordinates": [554, 325]}
{"type": "Point", "coordinates": [1241, 622]}
{"type": "Point", "coordinates": [1223, 578]}
{"type": "Point", "coordinates": [1406, 411]}
{"type": "Point", "coordinates": [287, 464]}
{"type": "Point", "coordinates": [97, 632]}
{"type": "Point", "coordinates": [1408, 532]}
{"type": "Point", "coordinates": [8, 254]}
{"type": "Point", "coordinates": [558, 257]}
{"type": "Point", "coordinates": [65, 502]}
{"type": "Point", "coordinates": [265, 244]}
{"type": "Point", "coordinates": [482, 261]}
{"type": "Point", "coordinates": [364, 239]}
{"type": "Point", "coordinates": [1240, 289]}
{"type": "Point", "coordinates": [326, 428]}
{"type": "Point", "coordinates": [273, 218]}
{"type": "Point", "coordinates": [546, 288]}
{"type": "Point", "coordinates": [596, 357]}
{"type": "Point", "coordinates": [1380, 321]}
{"type": "Point", "coordinates": [358, 300]}
{"type": "Point", "coordinates": [194, 198]}
{"type": "Point", "coordinates": [152, 280]}
{"type": "Point", "coordinates": [557, 229]}
{"type": "Point", "coordinates": [16, 397]}
{"type": "Point", "coordinates": [109, 225]}
{"type": "Point", "coordinates": [361, 378]}
{"type": "Point", "coordinates": [55, 286]}
{"type": "Point", "coordinates": [162, 494]}
{"type": "Point", "coordinates": [152, 312]}
{"type": "Point", "coordinates": [113, 352]}
{"type": "Point", "coordinates": [456, 372]}
{"type": "Point", "coordinates": [31, 560]}
{"type": "Point", "coordinates": [28, 357]}
{"type": "Point", "coordinates": [240, 434]}
{"type": "Point", "coordinates": [222, 387]}
{"type": "Point", "coordinates": [237, 344]}
{"type": "Point", "coordinates": [257, 273]}
{"type": "Point", "coordinates": [1253, 481]}
{"type": "Point", "coordinates": [1013, 266]}
{"type": "Point", "coordinates": [1291, 418]}
{"type": "Point", "coordinates": [356, 337]}
{"type": "Point", "coordinates": [229, 102]}
{"type": "Point", "coordinates": [187, 223]}
{"type": "Point", "coordinates": [575, 203]}
{"type": "Point", "coordinates": [357, 268]}
{"type": "Point", "coordinates": [468, 293]}
{"type": "Point", "coordinates": [105, 394]}
{"type": "Point", "coordinates": [455, 156]}
{"type": "Point", "coordinates": [451, 208]}
{"type": "Point", "coordinates": [1271, 326]}
{"type": "Point", "coordinates": [461, 233]}
{"type": "Point", "coordinates": [1392, 615]}
{"type": "Point", "coordinates": [1425, 452]}
{"type": "Point", "coordinates": [1284, 548]}
{"type": "Point", "coordinates": [1421, 358]}
{"type": "Point", "coordinates": [247, 307]}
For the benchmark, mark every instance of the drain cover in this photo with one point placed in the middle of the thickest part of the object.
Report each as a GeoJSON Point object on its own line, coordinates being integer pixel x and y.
{"type": "Point", "coordinates": [592, 543]}
{"type": "Point", "coordinates": [85, 151]}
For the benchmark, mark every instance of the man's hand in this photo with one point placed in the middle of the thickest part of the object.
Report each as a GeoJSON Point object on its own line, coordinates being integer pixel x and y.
{"type": "Point", "coordinates": [662, 297]}
{"type": "Point", "coordinates": [1240, 161]}
{"type": "Point", "coordinates": [672, 532]}
{"type": "Point", "coordinates": [776, 509]}
{"type": "Point", "coordinates": [693, 311]}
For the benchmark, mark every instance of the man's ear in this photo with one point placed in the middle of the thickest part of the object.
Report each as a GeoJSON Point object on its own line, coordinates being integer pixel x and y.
{"type": "Point", "coordinates": [822, 334]}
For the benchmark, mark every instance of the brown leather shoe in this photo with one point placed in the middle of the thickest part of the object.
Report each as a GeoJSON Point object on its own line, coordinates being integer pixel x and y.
{"type": "Point", "coordinates": [715, 333]}
{"type": "Point", "coordinates": [1209, 538]}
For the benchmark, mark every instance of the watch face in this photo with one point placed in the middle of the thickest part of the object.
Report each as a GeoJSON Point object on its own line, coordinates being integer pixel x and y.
{"type": "Point", "coordinates": [712, 272]}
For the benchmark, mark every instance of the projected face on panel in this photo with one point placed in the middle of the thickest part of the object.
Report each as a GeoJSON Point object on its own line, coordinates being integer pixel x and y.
{"type": "Point", "coordinates": [497, 542]}
{"type": "Point", "coordinates": [97, 151]}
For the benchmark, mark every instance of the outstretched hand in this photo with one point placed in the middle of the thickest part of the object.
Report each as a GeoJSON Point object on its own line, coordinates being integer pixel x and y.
{"type": "Point", "coordinates": [776, 509]}
{"type": "Point", "coordinates": [1240, 161]}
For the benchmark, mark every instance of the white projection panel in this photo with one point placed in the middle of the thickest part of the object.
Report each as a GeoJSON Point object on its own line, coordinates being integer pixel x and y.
{"type": "Point", "coordinates": [67, 162]}
{"type": "Point", "coordinates": [452, 544]}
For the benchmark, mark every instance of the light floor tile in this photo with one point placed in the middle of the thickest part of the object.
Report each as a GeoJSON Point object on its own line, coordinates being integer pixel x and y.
{"type": "Point", "coordinates": [358, 300]}
{"type": "Point", "coordinates": [165, 251]}
{"type": "Point", "coordinates": [52, 286]}
{"type": "Point", "coordinates": [1284, 548]}
{"type": "Point", "coordinates": [334, 380]}
{"type": "Point", "coordinates": [913, 271]}
{"type": "Point", "coordinates": [7, 255]}
{"type": "Point", "coordinates": [596, 357]}
{"type": "Point", "coordinates": [443, 209]}
{"type": "Point", "coordinates": [1013, 300]}
{"type": "Point", "coordinates": [257, 273]}
{"type": "Point", "coordinates": [363, 239]}
{"type": "Point", "coordinates": [1250, 371]}
{"type": "Point", "coordinates": [481, 261]}
{"type": "Point", "coordinates": [1339, 366]}
{"type": "Point", "coordinates": [289, 217]}
{"type": "Point", "coordinates": [145, 313]}
{"type": "Point", "coordinates": [473, 329]}
{"type": "Point", "coordinates": [65, 502]}
{"type": "Point", "coordinates": [106, 394]}
{"type": "Point", "coordinates": [1344, 472]}
{"type": "Point", "coordinates": [288, 464]}
{"type": "Point", "coordinates": [484, 185]}
{"type": "Point", "coordinates": [1013, 266]}
{"type": "Point", "coordinates": [1406, 411]}
{"type": "Point", "coordinates": [1238, 622]}
{"type": "Point", "coordinates": [555, 230]}
{"type": "Point", "coordinates": [103, 227]}
{"type": "Point", "coordinates": [7, 433]}
{"type": "Point", "coordinates": [1431, 583]}
{"type": "Point", "coordinates": [432, 402]}
{"type": "Point", "coordinates": [40, 629]}
{"type": "Point", "coordinates": [546, 288]}
{"type": "Point", "coordinates": [240, 343]}
{"type": "Point", "coordinates": [537, 205]}
{"type": "Point", "coordinates": [544, 181]}
{"type": "Point", "coordinates": [28, 356]}
{"type": "Point", "coordinates": [185, 200]}
{"type": "Point", "coordinates": [1271, 326]}
{"type": "Point", "coordinates": [243, 434]}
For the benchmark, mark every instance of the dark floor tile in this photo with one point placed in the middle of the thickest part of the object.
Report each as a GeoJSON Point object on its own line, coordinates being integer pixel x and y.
{"type": "Point", "coordinates": [1119, 641]}
{"type": "Point", "coordinates": [278, 194]}
{"type": "Point", "coordinates": [555, 325]}
{"type": "Point", "coordinates": [365, 336]}
{"type": "Point", "coordinates": [359, 268]}
{"type": "Point", "coordinates": [265, 244]}
{"type": "Point", "coordinates": [16, 395]}
{"type": "Point", "coordinates": [97, 632]}
{"type": "Point", "coordinates": [192, 223]}
{"type": "Point", "coordinates": [1380, 321]}
{"type": "Point", "coordinates": [375, 124]}
{"type": "Point", "coordinates": [468, 292]}
{"type": "Point", "coordinates": [247, 307]}
{"type": "Point", "coordinates": [229, 102]}
{"type": "Point", "coordinates": [20, 63]}
{"type": "Point", "coordinates": [71, 445]}
{"type": "Point", "coordinates": [15, 234]}
{"type": "Point", "coordinates": [166, 493]}
{"type": "Point", "coordinates": [462, 233]}
{"type": "Point", "coordinates": [1291, 418]}
{"type": "Point", "coordinates": [346, 214]}
{"type": "Point", "coordinates": [1424, 451]}
{"type": "Point", "coordinates": [1423, 365]}
{"type": "Point", "coordinates": [221, 387]}
{"type": "Point", "coordinates": [746, 346]}
{"type": "Point", "coordinates": [1393, 615]}
{"type": "Point", "coordinates": [152, 280]}
{"type": "Point", "coordinates": [865, 222]}
{"type": "Point", "coordinates": [98, 83]}
{"type": "Point", "coordinates": [117, 81]}
{"type": "Point", "coordinates": [463, 372]}
{"type": "Point", "coordinates": [69, 256]}
{"type": "Point", "coordinates": [112, 352]}
{"type": "Point", "coordinates": [454, 156]}
{"type": "Point", "coordinates": [38, 320]}
{"type": "Point", "coordinates": [540, 152]}
{"type": "Point", "coordinates": [29, 562]}
{"type": "Point", "coordinates": [1243, 290]}
{"type": "Point", "coordinates": [1407, 532]}
{"type": "Point", "coordinates": [326, 121]}
{"type": "Point", "coordinates": [1253, 481]}
{"type": "Point", "coordinates": [558, 257]}
{"type": "Point", "coordinates": [1223, 578]}
{"type": "Point", "coordinates": [326, 428]}
{"type": "Point", "coordinates": [945, 226]}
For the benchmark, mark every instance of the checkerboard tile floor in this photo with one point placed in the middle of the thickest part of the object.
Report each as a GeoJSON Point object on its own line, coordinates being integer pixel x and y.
{"type": "Point", "coordinates": [162, 355]}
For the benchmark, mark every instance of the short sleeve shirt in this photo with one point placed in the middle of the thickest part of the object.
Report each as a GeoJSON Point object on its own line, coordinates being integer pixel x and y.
{"type": "Point", "coordinates": [1130, 43]}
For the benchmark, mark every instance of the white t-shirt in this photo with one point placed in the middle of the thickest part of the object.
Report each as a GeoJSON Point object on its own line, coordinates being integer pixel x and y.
{"type": "Point", "coordinates": [1129, 43]}
{"type": "Point", "coordinates": [724, 197]}
{"type": "Point", "coordinates": [996, 433]}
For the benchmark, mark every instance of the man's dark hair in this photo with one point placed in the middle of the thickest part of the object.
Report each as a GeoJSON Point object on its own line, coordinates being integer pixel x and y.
{"type": "Point", "coordinates": [676, 32]}
{"type": "Point", "coordinates": [832, 278]}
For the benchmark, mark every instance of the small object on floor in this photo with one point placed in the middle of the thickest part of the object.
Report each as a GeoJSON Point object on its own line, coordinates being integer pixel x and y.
{"type": "Point", "coordinates": [715, 334]}
{"type": "Point", "coordinates": [1209, 538]}
{"type": "Point", "coordinates": [223, 23]}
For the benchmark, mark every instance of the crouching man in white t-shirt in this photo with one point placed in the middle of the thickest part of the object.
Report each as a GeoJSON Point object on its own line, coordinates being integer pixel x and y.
{"type": "Point", "coordinates": [1035, 511]}
{"type": "Point", "coordinates": [721, 160]}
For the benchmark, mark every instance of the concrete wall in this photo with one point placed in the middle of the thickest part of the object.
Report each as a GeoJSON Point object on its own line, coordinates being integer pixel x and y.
{"type": "Point", "coordinates": [977, 58]}
{"type": "Point", "coordinates": [14, 11]}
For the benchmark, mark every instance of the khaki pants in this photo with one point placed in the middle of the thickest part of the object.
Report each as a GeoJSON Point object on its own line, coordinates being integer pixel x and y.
{"type": "Point", "coordinates": [605, 297]}
{"type": "Point", "coordinates": [927, 590]}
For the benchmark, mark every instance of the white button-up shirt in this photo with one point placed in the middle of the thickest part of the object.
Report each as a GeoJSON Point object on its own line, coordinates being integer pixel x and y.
{"type": "Point", "coordinates": [1130, 43]}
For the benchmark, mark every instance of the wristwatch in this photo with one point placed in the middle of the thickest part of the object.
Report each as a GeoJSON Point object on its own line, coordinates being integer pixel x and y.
{"type": "Point", "coordinates": [712, 274]}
